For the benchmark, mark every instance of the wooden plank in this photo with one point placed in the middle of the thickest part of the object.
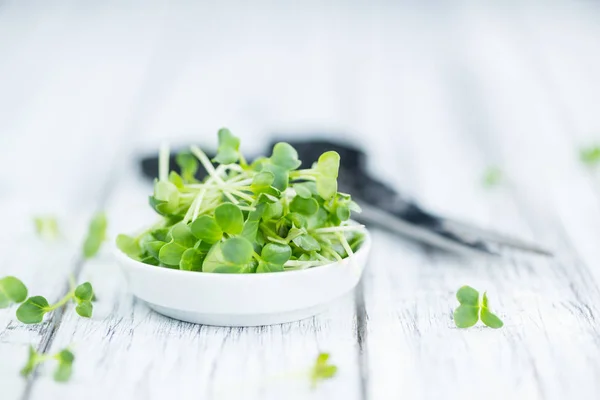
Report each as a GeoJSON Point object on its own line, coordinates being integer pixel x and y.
{"type": "Point", "coordinates": [57, 150]}
{"type": "Point", "coordinates": [549, 342]}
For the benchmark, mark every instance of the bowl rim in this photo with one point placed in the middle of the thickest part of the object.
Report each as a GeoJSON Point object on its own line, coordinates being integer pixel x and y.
{"type": "Point", "coordinates": [364, 248]}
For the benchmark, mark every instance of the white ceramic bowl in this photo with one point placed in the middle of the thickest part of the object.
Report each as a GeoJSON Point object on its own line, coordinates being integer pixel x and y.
{"type": "Point", "coordinates": [243, 299]}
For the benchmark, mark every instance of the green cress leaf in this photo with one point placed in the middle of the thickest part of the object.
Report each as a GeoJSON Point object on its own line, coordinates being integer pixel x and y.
{"type": "Point", "coordinates": [84, 309]}
{"type": "Point", "coordinates": [467, 295]}
{"type": "Point", "coordinates": [590, 155]}
{"type": "Point", "coordinates": [322, 370]}
{"type": "Point", "coordinates": [191, 260]}
{"type": "Point", "coordinates": [282, 176]}
{"type": "Point", "coordinates": [188, 164]}
{"type": "Point", "coordinates": [33, 310]}
{"type": "Point", "coordinates": [171, 253]}
{"type": "Point", "coordinates": [228, 150]}
{"type": "Point", "coordinates": [276, 253]}
{"type": "Point", "coordinates": [64, 370]}
{"type": "Point", "coordinates": [166, 191]}
{"type": "Point", "coordinates": [307, 243]}
{"type": "Point", "coordinates": [129, 245]}
{"type": "Point", "coordinates": [84, 292]}
{"type": "Point", "coordinates": [273, 211]}
{"type": "Point", "coordinates": [492, 177]}
{"type": "Point", "coordinates": [153, 248]}
{"type": "Point", "coordinates": [251, 225]}
{"type": "Point", "coordinates": [31, 362]}
{"type": "Point", "coordinates": [12, 290]}
{"type": "Point", "coordinates": [46, 227]}
{"type": "Point", "coordinates": [230, 218]}
{"type": "Point", "coordinates": [150, 260]}
{"type": "Point", "coordinates": [342, 213]}
{"type": "Point", "coordinates": [305, 189]}
{"type": "Point", "coordinates": [237, 250]}
{"type": "Point", "coordinates": [317, 220]}
{"type": "Point", "coordinates": [265, 267]}
{"type": "Point", "coordinates": [234, 255]}
{"type": "Point", "coordinates": [206, 229]}
{"type": "Point", "coordinates": [285, 156]}
{"type": "Point", "coordinates": [304, 206]}
{"type": "Point", "coordinates": [353, 206]}
{"type": "Point", "coordinates": [176, 180]}
{"type": "Point", "coordinates": [96, 235]}
{"type": "Point", "coordinates": [327, 169]}
{"type": "Point", "coordinates": [296, 219]}
{"type": "Point", "coordinates": [467, 314]}
{"type": "Point", "coordinates": [487, 317]}
{"type": "Point", "coordinates": [161, 234]}
{"type": "Point", "coordinates": [182, 234]}
{"type": "Point", "coordinates": [262, 182]}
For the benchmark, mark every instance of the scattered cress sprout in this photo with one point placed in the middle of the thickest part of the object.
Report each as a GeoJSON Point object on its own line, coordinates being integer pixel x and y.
{"type": "Point", "coordinates": [264, 216]}
{"type": "Point", "coordinates": [32, 311]}
{"type": "Point", "coordinates": [95, 236]}
{"type": "Point", "coordinates": [46, 227]}
{"type": "Point", "coordinates": [472, 309]}
{"type": "Point", "coordinates": [64, 358]}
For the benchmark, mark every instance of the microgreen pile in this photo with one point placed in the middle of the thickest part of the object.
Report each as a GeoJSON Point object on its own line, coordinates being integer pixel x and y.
{"type": "Point", "coordinates": [264, 216]}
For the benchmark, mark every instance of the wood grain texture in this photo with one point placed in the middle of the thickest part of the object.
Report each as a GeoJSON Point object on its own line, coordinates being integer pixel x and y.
{"type": "Point", "coordinates": [437, 94]}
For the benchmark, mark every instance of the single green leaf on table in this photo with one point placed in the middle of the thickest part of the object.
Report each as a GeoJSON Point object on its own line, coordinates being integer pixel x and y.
{"type": "Point", "coordinates": [84, 309]}
{"type": "Point", "coordinates": [12, 290]}
{"type": "Point", "coordinates": [590, 155]}
{"type": "Point", "coordinates": [64, 370]}
{"type": "Point", "coordinates": [188, 164]}
{"type": "Point", "coordinates": [83, 295]}
{"type": "Point", "coordinates": [31, 362]}
{"type": "Point", "coordinates": [467, 313]}
{"type": "Point", "coordinates": [230, 218]}
{"type": "Point", "coordinates": [492, 176]}
{"type": "Point", "coordinates": [47, 227]}
{"type": "Point", "coordinates": [233, 255]}
{"type": "Point", "coordinates": [228, 150]}
{"type": "Point", "coordinates": [96, 235]}
{"type": "Point", "coordinates": [322, 370]}
{"type": "Point", "coordinates": [33, 310]}
{"type": "Point", "coordinates": [487, 317]}
{"type": "Point", "coordinates": [471, 309]}
{"type": "Point", "coordinates": [206, 229]}
{"type": "Point", "coordinates": [84, 292]}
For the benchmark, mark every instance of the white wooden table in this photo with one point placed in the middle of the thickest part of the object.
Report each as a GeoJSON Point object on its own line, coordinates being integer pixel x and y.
{"type": "Point", "coordinates": [435, 93]}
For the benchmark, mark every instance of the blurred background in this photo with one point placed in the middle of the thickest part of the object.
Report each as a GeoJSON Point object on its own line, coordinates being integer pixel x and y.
{"type": "Point", "coordinates": [83, 84]}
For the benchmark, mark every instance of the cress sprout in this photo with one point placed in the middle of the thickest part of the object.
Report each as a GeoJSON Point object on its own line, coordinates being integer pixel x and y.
{"type": "Point", "coordinates": [472, 309]}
